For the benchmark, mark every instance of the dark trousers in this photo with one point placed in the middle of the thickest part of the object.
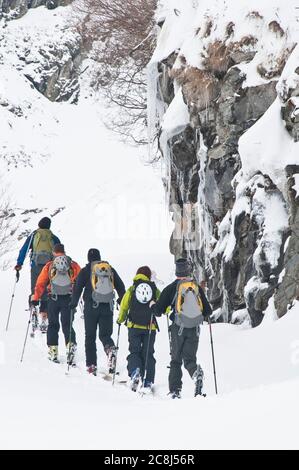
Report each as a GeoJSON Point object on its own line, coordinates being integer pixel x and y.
{"type": "Point", "coordinates": [35, 272]}
{"type": "Point", "coordinates": [94, 318]}
{"type": "Point", "coordinates": [138, 343]}
{"type": "Point", "coordinates": [55, 307]}
{"type": "Point", "coordinates": [183, 349]}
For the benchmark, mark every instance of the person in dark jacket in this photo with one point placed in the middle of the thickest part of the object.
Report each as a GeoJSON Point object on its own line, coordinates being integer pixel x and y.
{"type": "Point", "coordinates": [184, 342]}
{"type": "Point", "coordinates": [97, 314]}
{"type": "Point", "coordinates": [39, 244]}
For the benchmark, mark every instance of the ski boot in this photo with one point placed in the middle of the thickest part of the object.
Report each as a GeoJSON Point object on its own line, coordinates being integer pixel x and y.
{"type": "Point", "coordinates": [34, 322]}
{"type": "Point", "coordinates": [175, 394]}
{"type": "Point", "coordinates": [71, 349]}
{"type": "Point", "coordinates": [111, 357]}
{"type": "Point", "coordinates": [53, 354]}
{"type": "Point", "coordinates": [92, 370]}
{"type": "Point", "coordinates": [147, 389]}
{"type": "Point", "coordinates": [135, 378]}
{"type": "Point", "coordinates": [43, 327]}
{"type": "Point", "coordinates": [198, 381]}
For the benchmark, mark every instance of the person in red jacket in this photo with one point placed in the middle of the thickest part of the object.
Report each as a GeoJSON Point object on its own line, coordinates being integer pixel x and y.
{"type": "Point", "coordinates": [58, 277]}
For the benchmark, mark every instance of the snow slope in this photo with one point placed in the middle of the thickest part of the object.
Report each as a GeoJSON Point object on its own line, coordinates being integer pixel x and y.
{"type": "Point", "coordinates": [256, 407]}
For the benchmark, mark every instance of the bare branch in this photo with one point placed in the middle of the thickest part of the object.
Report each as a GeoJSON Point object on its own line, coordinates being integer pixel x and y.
{"type": "Point", "coordinates": [120, 37]}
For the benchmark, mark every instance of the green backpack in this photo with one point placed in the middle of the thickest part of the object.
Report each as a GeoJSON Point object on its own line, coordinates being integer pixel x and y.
{"type": "Point", "coordinates": [42, 246]}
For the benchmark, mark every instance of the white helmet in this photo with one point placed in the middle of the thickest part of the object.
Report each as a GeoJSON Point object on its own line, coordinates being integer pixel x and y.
{"type": "Point", "coordinates": [144, 293]}
{"type": "Point", "coordinates": [61, 263]}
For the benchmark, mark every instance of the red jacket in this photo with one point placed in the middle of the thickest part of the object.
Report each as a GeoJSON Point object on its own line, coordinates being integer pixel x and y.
{"type": "Point", "coordinates": [43, 279]}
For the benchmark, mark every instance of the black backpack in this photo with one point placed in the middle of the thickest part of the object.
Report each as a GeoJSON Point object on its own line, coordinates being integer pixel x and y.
{"type": "Point", "coordinates": [143, 293]}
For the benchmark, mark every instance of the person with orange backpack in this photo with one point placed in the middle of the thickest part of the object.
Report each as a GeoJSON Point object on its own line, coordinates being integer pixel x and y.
{"type": "Point", "coordinates": [98, 279]}
{"type": "Point", "coordinates": [40, 245]}
{"type": "Point", "coordinates": [189, 307]}
{"type": "Point", "coordinates": [58, 277]}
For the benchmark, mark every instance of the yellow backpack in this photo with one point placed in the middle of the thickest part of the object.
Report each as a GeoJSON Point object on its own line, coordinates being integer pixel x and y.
{"type": "Point", "coordinates": [102, 282]}
{"type": "Point", "coordinates": [42, 246]}
{"type": "Point", "coordinates": [188, 304]}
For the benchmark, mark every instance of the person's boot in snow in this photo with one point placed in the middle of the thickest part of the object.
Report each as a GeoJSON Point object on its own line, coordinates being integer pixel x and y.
{"type": "Point", "coordinates": [111, 357]}
{"type": "Point", "coordinates": [135, 378]}
{"type": "Point", "coordinates": [53, 354]}
{"type": "Point", "coordinates": [70, 353]}
{"type": "Point", "coordinates": [198, 381]}
{"type": "Point", "coordinates": [148, 388]}
{"type": "Point", "coordinates": [175, 394]}
{"type": "Point", "coordinates": [43, 326]}
{"type": "Point", "coordinates": [92, 370]}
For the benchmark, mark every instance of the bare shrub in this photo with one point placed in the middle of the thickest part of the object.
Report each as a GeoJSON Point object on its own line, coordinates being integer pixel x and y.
{"type": "Point", "coordinates": [120, 36]}
{"type": "Point", "coordinates": [199, 86]}
{"type": "Point", "coordinates": [217, 60]}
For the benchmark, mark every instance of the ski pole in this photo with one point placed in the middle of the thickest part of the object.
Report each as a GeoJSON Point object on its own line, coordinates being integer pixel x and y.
{"type": "Point", "coordinates": [213, 356]}
{"type": "Point", "coordinates": [70, 339]}
{"type": "Point", "coordinates": [147, 349]}
{"type": "Point", "coordinates": [169, 334]}
{"type": "Point", "coordinates": [81, 308]}
{"type": "Point", "coordinates": [16, 281]}
{"type": "Point", "coordinates": [12, 299]}
{"type": "Point", "coordinates": [117, 347]}
{"type": "Point", "coordinates": [26, 337]}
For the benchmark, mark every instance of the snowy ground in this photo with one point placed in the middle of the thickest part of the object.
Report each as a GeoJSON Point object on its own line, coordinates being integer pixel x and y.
{"type": "Point", "coordinates": [115, 203]}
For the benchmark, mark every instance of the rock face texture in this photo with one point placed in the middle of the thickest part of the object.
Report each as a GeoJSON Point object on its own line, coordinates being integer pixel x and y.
{"type": "Point", "coordinates": [219, 92]}
{"type": "Point", "coordinates": [49, 55]}
{"type": "Point", "coordinates": [18, 8]}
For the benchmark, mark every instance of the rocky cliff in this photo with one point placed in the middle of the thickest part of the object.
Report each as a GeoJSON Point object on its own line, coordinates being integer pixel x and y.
{"type": "Point", "coordinates": [42, 47]}
{"type": "Point", "coordinates": [40, 65]}
{"type": "Point", "coordinates": [224, 104]}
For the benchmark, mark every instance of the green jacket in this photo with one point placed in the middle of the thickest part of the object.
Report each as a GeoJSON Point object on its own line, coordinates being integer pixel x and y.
{"type": "Point", "coordinates": [126, 302]}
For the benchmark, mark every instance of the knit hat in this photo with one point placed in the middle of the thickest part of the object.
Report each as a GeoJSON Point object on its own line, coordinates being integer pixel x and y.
{"type": "Point", "coordinates": [58, 248]}
{"type": "Point", "coordinates": [93, 255]}
{"type": "Point", "coordinates": [183, 268]}
{"type": "Point", "coordinates": [45, 222]}
{"type": "Point", "coordinates": [145, 270]}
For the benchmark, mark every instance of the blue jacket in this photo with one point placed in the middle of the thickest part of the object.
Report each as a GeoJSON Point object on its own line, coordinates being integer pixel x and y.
{"type": "Point", "coordinates": [28, 245]}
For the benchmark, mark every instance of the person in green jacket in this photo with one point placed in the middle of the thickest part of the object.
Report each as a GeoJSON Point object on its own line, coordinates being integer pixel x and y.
{"type": "Point", "coordinates": [136, 313]}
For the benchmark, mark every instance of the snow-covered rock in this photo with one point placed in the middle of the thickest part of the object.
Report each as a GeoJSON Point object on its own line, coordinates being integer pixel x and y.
{"type": "Point", "coordinates": [234, 162]}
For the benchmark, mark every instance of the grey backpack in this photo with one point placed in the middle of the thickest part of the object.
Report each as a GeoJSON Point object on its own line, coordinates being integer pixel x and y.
{"type": "Point", "coordinates": [188, 305]}
{"type": "Point", "coordinates": [60, 276]}
{"type": "Point", "coordinates": [102, 283]}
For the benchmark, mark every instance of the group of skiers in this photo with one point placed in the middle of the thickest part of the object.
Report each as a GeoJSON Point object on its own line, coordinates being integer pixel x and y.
{"type": "Point", "coordinates": [58, 282]}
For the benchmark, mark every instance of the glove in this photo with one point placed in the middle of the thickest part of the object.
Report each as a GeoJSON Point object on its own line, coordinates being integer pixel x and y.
{"type": "Point", "coordinates": [152, 303]}
{"type": "Point", "coordinates": [18, 267]}
{"type": "Point", "coordinates": [35, 303]}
